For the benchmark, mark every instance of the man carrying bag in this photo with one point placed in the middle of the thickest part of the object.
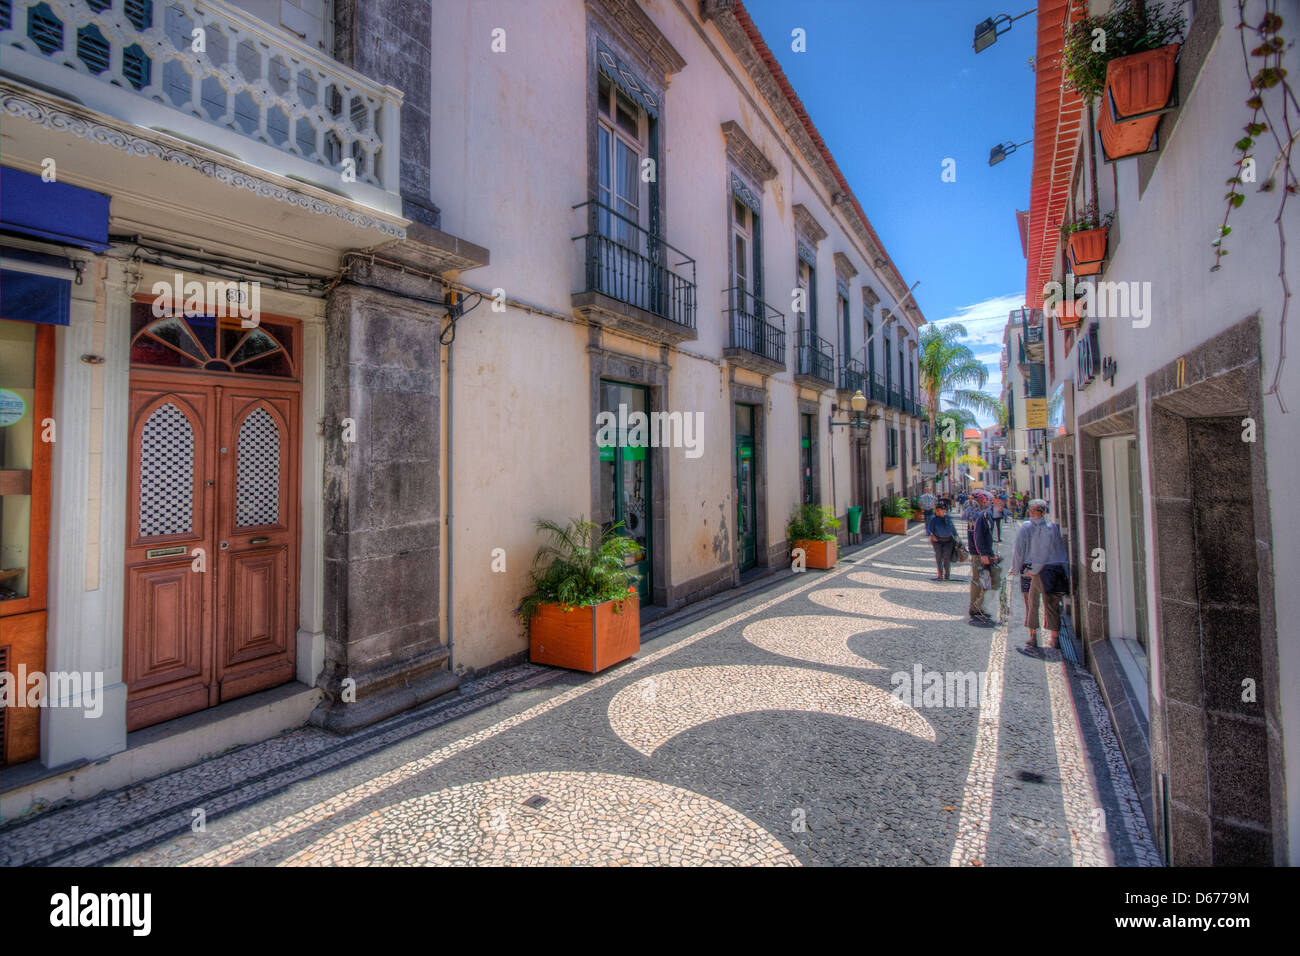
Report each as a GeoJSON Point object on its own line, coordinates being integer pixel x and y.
{"type": "Point", "coordinates": [983, 559]}
{"type": "Point", "coordinates": [1041, 556]}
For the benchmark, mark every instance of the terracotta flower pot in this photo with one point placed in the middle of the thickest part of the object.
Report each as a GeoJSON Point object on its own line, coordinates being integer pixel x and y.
{"type": "Point", "coordinates": [1141, 82]}
{"type": "Point", "coordinates": [585, 638]}
{"type": "Point", "coordinates": [1122, 139]}
{"type": "Point", "coordinates": [821, 555]}
{"type": "Point", "coordinates": [893, 525]}
{"type": "Point", "coordinates": [1088, 250]}
{"type": "Point", "coordinates": [1069, 313]}
{"type": "Point", "coordinates": [1135, 84]}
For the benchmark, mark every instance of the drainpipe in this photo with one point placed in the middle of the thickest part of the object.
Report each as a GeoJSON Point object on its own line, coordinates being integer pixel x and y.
{"type": "Point", "coordinates": [831, 441]}
{"type": "Point", "coordinates": [451, 554]}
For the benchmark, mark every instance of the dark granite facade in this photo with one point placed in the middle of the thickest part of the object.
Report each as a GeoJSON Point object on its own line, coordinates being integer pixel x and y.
{"type": "Point", "coordinates": [1218, 738]}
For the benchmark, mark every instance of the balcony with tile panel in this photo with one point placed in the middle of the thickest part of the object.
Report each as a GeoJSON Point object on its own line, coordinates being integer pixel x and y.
{"type": "Point", "coordinates": [186, 86]}
{"type": "Point", "coordinates": [632, 279]}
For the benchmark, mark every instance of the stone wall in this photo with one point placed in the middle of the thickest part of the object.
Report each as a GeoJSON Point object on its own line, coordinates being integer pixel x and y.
{"type": "Point", "coordinates": [388, 41]}
{"type": "Point", "coordinates": [382, 532]}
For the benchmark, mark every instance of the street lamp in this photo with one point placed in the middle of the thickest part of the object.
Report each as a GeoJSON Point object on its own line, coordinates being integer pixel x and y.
{"type": "Point", "coordinates": [1003, 150]}
{"type": "Point", "coordinates": [988, 31]}
{"type": "Point", "coordinates": [859, 405]}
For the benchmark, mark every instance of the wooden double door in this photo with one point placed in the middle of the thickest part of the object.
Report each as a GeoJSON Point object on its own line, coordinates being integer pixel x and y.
{"type": "Point", "coordinates": [212, 541]}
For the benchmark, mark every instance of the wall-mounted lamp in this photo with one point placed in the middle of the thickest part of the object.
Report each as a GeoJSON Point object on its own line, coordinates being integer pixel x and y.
{"type": "Point", "coordinates": [1003, 150]}
{"type": "Point", "coordinates": [859, 405]}
{"type": "Point", "coordinates": [988, 31]}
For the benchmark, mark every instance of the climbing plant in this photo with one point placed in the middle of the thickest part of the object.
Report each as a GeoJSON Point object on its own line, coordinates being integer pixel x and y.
{"type": "Point", "coordinates": [1271, 102]}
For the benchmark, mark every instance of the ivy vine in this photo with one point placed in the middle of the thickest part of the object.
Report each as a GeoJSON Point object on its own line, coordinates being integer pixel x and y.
{"type": "Point", "coordinates": [1264, 67]}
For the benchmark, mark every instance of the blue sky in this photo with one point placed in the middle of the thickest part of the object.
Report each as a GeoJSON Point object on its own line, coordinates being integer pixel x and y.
{"type": "Point", "coordinates": [895, 89]}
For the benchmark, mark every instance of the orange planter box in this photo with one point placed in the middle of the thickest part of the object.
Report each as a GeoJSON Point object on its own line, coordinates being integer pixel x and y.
{"type": "Point", "coordinates": [1069, 313]}
{"type": "Point", "coordinates": [1088, 250]}
{"type": "Point", "coordinates": [821, 555]}
{"type": "Point", "coordinates": [1135, 84]}
{"type": "Point", "coordinates": [587, 638]}
{"type": "Point", "coordinates": [893, 525]}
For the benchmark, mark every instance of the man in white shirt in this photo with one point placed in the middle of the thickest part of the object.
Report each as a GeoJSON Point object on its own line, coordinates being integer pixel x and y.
{"type": "Point", "coordinates": [1038, 547]}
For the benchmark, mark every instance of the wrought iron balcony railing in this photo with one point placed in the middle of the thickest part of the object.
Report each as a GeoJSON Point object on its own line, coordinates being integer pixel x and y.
{"type": "Point", "coordinates": [130, 58]}
{"type": "Point", "coordinates": [878, 390]}
{"type": "Point", "coordinates": [853, 377]}
{"type": "Point", "coordinates": [755, 326]}
{"type": "Point", "coordinates": [814, 356]}
{"type": "Point", "coordinates": [635, 266]}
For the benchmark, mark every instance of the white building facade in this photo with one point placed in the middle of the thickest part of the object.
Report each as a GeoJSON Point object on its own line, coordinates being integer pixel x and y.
{"type": "Point", "coordinates": [1173, 445]}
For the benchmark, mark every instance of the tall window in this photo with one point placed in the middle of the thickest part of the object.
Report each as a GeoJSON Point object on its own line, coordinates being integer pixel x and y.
{"type": "Point", "coordinates": [846, 347]}
{"type": "Point", "coordinates": [622, 133]}
{"type": "Point", "coordinates": [891, 449]}
{"type": "Point", "coordinates": [889, 366]}
{"type": "Point", "coordinates": [871, 350]}
{"type": "Point", "coordinates": [743, 256]}
{"type": "Point", "coordinates": [806, 320]}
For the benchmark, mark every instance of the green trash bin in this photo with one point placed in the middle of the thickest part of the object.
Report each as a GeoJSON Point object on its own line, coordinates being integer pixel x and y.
{"type": "Point", "coordinates": [855, 520]}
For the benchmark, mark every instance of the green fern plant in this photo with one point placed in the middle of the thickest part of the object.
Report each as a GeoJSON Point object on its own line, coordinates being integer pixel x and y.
{"type": "Point", "coordinates": [898, 507]}
{"type": "Point", "coordinates": [579, 566]}
{"type": "Point", "coordinates": [812, 523]}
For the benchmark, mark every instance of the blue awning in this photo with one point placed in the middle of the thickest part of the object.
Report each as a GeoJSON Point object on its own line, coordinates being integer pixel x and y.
{"type": "Point", "coordinates": [53, 211]}
{"type": "Point", "coordinates": [31, 297]}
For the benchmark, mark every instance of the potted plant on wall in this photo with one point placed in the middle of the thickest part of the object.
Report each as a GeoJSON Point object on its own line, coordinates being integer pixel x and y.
{"type": "Point", "coordinates": [1070, 309]}
{"type": "Point", "coordinates": [894, 515]}
{"type": "Point", "coordinates": [1132, 72]}
{"type": "Point", "coordinates": [813, 528]}
{"type": "Point", "coordinates": [1085, 237]}
{"type": "Point", "coordinates": [583, 612]}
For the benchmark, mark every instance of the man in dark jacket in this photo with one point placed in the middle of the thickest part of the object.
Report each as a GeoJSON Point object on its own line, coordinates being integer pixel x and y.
{"type": "Point", "coordinates": [943, 538]}
{"type": "Point", "coordinates": [979, 536]}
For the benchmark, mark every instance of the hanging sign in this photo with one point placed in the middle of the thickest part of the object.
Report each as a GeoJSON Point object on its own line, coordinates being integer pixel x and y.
{"type": "Point", "coordinates": [1035, 413]}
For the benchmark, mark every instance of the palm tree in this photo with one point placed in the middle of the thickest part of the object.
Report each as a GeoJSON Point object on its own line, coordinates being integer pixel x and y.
{"type": "Point", "coordinates": [947, 440]}
{"type": "Point", "coordinates": [950, 371]}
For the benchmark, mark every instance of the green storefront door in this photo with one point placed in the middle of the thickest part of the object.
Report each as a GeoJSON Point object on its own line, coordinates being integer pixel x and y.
{"type": "Point", "coordinates": [746, 512]}
{"type": "Point", "coordinates": [625, 478]}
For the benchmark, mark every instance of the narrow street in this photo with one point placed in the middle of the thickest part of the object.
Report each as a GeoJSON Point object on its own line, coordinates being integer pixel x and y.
{"type": "Point", "coordinates": [764, 733]}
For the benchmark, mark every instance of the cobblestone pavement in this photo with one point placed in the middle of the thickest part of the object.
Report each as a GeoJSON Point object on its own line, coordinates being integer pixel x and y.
{"type": "Point", "coordinates": [843, 717]}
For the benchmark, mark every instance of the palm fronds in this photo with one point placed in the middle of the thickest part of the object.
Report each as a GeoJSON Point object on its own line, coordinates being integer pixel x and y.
{"type": "Point", "coordinates": [579, 565]}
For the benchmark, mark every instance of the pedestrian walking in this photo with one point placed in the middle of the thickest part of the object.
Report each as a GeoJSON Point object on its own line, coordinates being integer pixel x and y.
{"type": "Point", "coordinates": [1040, 557]}
{"type": "Point", "coordinates": [997, 509]}
{"type": "Point", "coordinates": [983, 560]}
{"type": "Point", "coordinates": [927, 505]}
{"type": "Point", "coordinates": [943, 538]}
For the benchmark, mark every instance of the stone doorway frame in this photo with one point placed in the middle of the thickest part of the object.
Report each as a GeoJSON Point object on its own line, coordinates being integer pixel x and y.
{"type": "Point", "coordinates": [1198, 733]}
{"type": "Point", "coordinates": [766, 554]}
{"type": "Point", "coordinates": [653, 376]}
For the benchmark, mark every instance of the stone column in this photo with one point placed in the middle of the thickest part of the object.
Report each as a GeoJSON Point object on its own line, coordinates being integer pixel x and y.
{"type": "Point", "coordinates": [381, 499]}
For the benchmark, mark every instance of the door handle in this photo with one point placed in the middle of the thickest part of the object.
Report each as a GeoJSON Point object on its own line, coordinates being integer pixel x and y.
{"type": "Point", "coordinates": [258, 540]}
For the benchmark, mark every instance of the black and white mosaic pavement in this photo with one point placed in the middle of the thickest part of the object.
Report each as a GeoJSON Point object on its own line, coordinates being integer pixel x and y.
{"type": "Point", "coordinates": [778, 731]}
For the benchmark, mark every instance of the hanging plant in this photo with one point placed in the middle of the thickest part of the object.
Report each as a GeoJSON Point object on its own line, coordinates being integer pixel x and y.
{"type": "Point", "coordinates": [1130, 27]}
{"type": "Point", "coordinates": [1271, 102]}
